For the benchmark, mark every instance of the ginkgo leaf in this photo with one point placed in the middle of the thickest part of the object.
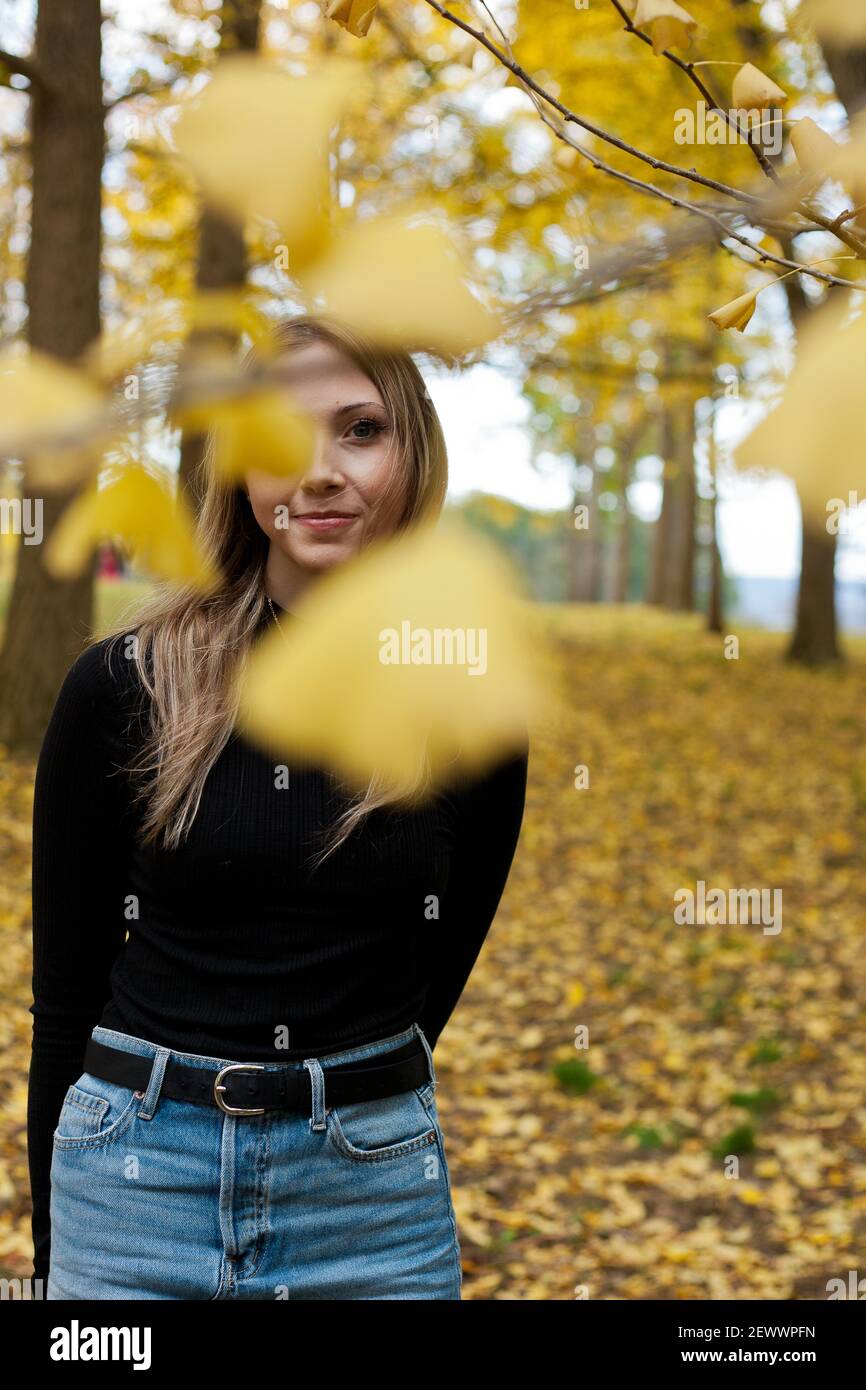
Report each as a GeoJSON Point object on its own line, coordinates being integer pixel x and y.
{"type": "Point", "coordinates": [229, 311]}
{"type": "Point", "coordinates": [848, 164]}
{"type": "Point", "coordinates": [815, 433]}
{"type": "Point", "coordinates": [265, 431]}
{"type": "Point", "coordinates": [417, 647]}
{"type": "Point", "coordinates": [119, 350]}
{"type": "Point", "coordinates": [752, 89]}
{"type": "Point", "coordinates": [668, 23]}
{"type": "Point", "coordinates": [402, 285]}
{"type": "Point", "coordinates": [354, 15]}
{"type": "Point", "coordinates": [841, 20]}
{"type": "Point", "coordinates": [814, 148]}
{"type": "Point", "coordinates": [738, 312]}
{"type": "Point", "coordinates": [139, 513]}
{"type": "Point", "coordinates": [257, 141]}
{"type": "Point", "coordinates": [47, 409]}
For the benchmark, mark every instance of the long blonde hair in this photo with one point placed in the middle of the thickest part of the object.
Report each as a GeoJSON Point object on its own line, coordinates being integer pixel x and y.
{"type": "Point", "coordinates": [189, 645]}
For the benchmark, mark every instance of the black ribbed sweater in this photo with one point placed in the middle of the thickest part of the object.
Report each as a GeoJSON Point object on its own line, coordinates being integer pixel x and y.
{"type": "Point", "coordinates": [232, 938]}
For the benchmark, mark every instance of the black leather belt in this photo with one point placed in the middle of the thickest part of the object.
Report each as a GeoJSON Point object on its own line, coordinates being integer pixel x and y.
{"type": "Point", "coordinates": [246, 1088]}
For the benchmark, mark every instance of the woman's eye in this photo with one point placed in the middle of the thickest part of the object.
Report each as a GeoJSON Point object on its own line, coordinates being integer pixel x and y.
{"type": "Point", "coordinates": [373, 426]}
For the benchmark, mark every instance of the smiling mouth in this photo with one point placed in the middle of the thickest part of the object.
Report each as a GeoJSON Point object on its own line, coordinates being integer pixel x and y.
{"type": "Point", "coordinates": [326, 521]}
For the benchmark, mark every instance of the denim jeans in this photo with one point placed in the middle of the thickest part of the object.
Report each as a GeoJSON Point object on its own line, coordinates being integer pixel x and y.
{"type": "Point", "coordinates": [159, 1198]}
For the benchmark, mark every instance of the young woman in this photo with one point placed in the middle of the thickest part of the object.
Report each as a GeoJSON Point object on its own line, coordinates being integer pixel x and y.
{"type": "Point", "coordinates": [238, 979]}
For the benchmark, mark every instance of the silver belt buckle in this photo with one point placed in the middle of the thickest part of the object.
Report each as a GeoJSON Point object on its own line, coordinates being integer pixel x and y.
{"type": "Point", "coordinates": [218, 1086]}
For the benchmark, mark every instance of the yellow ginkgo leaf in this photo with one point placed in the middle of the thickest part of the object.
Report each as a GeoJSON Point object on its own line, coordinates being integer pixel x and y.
{"type": "Point", "coordinates": [264, 431]}
{"type": "Point", "coordinates": [47, 409]}
{"type": "Point", "coordinates": [257, 141]}
{"type": "Point", "coordinates": [815, 151]}
{"type": "Point", "coordinates": [354, 15]}
{"type": "Point", "coordinates": [738, 313]}
{"type": "Point", "coordinates": [841, 20]}
{"type": "Point", "coordinates": [139, 513]}
{"type": "Point", "coordinates": [815, 434]}
{"type": "Point", "coordinates": [752, 89]}
{"type": "Point", "coordinates": [419, 647]}
{"type": "Point", "coordinates": [849, 161]}
{"type": "Point", "coordinates": [668, 23]}
{"type": "Point", "coordinates": [401, 285]}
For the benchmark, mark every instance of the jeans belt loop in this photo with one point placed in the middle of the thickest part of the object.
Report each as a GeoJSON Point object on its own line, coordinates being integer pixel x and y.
{"type": "Point", "coordinates": [154, 1085]}
{"type": "Point", "coordinates": [317, 1086]}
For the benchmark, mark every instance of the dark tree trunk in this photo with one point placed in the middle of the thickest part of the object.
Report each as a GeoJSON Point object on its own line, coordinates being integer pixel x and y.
{"type": "Point", "coordinates": [680, 577]}
{"type": "Point", "coordinates": [814, 641]}
{"type": "Point", "coordinates": [663, 527]}
{"type": "Point", "coordinates": [49, 620]}
{"type": "Point", "coordinates": [222, 261]}
{"type": "Point", "coordinates": [715, 607]}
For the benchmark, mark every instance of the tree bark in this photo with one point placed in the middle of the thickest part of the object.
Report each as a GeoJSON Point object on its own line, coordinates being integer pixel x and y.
{"type": "Point", "coordinates": [715, 606]}
{"type": "Point", "coordinates": [48, 619]}
{"type": "Point", "coordinates": [222, 261]}
{"type": "Point", "coordinates": [679, 592]}
{"type": "Point", "coordinates": [663, 527]}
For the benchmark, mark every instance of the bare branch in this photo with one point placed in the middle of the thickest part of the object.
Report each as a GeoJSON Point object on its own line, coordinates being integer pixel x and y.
{"type": "Point", "coordinates": [689, 70]}
{"type": "Point", "coordinates": [25, 67]}
{"type": "Point", "coordinates": [530, 83]}
{"type": "Point", "coordinates": [147, 89]}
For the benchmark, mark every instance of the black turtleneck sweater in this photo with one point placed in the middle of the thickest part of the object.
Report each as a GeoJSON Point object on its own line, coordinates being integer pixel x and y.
{"type": "Point", "coordinates": [220, 946]}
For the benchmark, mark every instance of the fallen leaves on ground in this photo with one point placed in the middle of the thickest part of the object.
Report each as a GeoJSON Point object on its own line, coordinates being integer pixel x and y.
{"type": "Point", "coordinates": [602, 1171]}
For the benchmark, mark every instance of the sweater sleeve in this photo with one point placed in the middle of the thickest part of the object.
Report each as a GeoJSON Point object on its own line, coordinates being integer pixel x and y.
{"type": "Point", "coordinates": [489, 813]}
{"type": "Point", "coordinates": [80, 854]}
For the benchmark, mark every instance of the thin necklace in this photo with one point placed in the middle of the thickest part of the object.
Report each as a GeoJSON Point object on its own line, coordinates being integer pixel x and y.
{"type": "Point", "coordinates": [275, 618]}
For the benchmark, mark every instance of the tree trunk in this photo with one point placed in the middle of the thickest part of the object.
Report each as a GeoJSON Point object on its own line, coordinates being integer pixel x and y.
{"type": "Point", "coordinates": [814, 641]}
{"type": "Point", "coordinates": [679, 593]}
{"type": "Point", "coordinates": [49, 619]}
{"type": "Point", "coordinates": [662, 533]}
{"type": "Point", "coordinates": [715, 607]}
{"type": "Point", "coordinates": [222, 261]}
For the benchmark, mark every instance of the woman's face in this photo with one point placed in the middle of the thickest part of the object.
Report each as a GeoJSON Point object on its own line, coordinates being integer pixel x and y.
{"type": "Point", "coordinates": [324, 516]}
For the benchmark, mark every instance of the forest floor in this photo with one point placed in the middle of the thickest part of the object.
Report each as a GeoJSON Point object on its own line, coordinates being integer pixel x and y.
{"type": "Point", "coordinates": [710, 1141]}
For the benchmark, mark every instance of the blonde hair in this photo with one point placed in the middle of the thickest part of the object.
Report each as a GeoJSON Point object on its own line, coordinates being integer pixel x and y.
{"type": "Point", "coordinates": [190, 645]}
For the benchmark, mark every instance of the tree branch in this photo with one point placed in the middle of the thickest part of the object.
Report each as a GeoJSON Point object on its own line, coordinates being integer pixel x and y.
{"type": "Point", "coordinates": [147, 89]}
{"type": "Point", "coordinates": [25, 67]}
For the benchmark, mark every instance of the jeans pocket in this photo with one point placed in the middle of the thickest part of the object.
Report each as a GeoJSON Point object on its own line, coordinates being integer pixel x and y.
{"type": "Point", "coordinates": [371, 1131]}
{"type": "Point", "coordinates": [94, 1112]}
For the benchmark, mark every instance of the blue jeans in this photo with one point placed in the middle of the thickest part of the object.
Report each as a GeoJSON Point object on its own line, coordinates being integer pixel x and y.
{"type": "Point", "coordinates": [159, 1198]}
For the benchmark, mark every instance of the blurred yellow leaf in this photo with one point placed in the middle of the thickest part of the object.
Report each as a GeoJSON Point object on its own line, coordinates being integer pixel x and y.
{"type": "Point", "coordinates": [419, 645]}
{"type": "Point", "coordinates": [401, 285]}
{"type": "Point", "coordinates": [257, 141]}
{"type": "Point", "coordinates": [669, 24]}
{"type": "Point", "coordinates": [45, 405]}
{"type": "Point", "coordinates": [264, 431]}
{"type": "Point", "coordinates": [814, 148]}
{"type": "Point", "coordinates": [842, 20]}
{"type": "Point", "coordinates": [815, 433]}
{"type": "Point", "coordinates": [138, 512]}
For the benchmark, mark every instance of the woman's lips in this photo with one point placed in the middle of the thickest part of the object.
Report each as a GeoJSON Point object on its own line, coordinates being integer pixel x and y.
{"type": "Point", "coordinates": [325, 523]}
